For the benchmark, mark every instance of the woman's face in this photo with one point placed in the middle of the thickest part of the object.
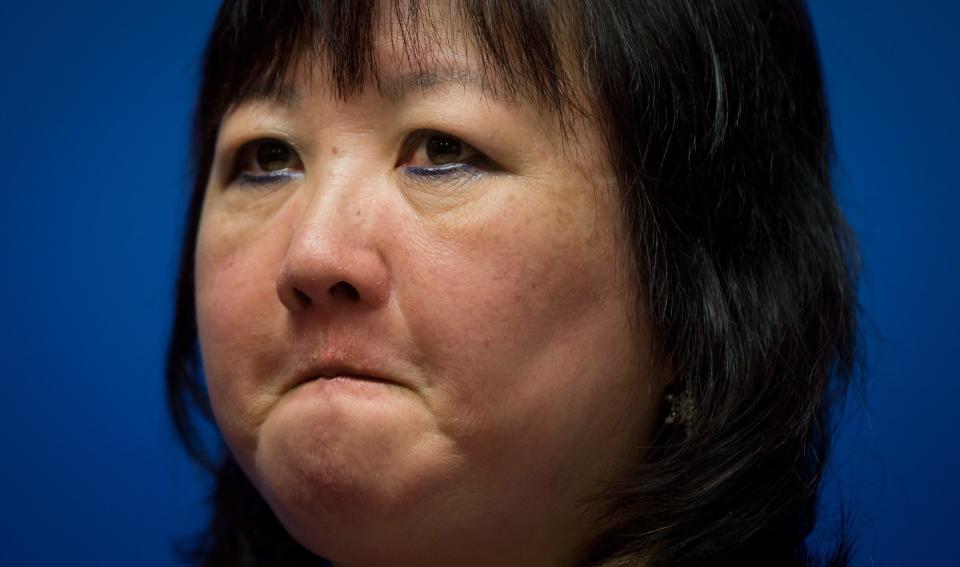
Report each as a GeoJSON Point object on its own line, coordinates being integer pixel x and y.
{"type": "Point", "coordinates": [415, 322]}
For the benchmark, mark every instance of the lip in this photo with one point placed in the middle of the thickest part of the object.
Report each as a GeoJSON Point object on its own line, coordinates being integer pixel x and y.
{"type": "Point", "coordinates": [343, 371]}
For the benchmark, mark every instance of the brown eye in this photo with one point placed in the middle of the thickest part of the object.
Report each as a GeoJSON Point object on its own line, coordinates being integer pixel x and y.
{"type": "Point", "coordinates": [273, 155]}
{"type": "Point", "coordinates": [442, 150]}
{"type": "Point", "coordinates": [433, 153]}
{"type": "Point", "coordinates": [267, 160]}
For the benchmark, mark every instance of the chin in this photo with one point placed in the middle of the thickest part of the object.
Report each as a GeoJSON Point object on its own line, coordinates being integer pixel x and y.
{"type": "Point", "coordinates": [352, 513]}
{"type": "Point", "coordinates": [343, 476]}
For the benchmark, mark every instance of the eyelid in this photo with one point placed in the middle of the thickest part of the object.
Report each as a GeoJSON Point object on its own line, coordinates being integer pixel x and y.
{"type": "Point", "coordinates": [238, 158]}
{"type": "Point", "coordinates": [415, 140]}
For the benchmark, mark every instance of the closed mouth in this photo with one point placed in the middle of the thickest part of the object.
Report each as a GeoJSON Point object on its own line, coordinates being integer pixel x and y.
{"type": "Point", "coordinates": [349, 376]}
{"type": "Point", "coordinates": [345, 374]}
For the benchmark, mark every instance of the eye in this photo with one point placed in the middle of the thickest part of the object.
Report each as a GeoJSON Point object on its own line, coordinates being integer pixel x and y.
{"type": "Point", "coordinates": [431, 153]}
{"type": "Point", "coordinates": [267, 160]}
{"type": "Point", "coordinates": [442, 150]}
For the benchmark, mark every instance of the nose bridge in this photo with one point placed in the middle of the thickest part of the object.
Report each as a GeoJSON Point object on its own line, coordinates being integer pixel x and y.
{"type": "Point", "coordinates": [334, 259]}
{"type": "Point", "coordinates": [336, 207]}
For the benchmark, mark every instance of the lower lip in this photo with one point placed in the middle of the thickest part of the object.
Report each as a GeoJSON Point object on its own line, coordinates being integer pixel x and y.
{"type": "Point", "coordinates": [359, 385]}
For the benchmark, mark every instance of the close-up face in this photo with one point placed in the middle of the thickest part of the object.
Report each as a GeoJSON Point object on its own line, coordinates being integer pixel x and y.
{"type": "Point", "coordinates": [416, 320]}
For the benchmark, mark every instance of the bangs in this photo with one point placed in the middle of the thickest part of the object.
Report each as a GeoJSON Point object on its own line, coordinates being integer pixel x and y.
{"type": "Point", "coordinates": [515, 45]}
{"type": "Point", "coordinates": [717, 127]}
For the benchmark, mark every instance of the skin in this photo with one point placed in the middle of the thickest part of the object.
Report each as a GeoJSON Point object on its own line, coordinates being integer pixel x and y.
{"type": "Point", "coordinates": [513, 376]}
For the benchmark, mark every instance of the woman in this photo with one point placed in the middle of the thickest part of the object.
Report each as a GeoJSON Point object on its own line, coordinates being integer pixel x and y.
{"type": "Point", "coordinates": [501, 283]}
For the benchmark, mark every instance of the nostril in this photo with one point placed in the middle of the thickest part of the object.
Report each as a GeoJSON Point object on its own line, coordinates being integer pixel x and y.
{"type": "Point", "coordinates": [345, 291]}
{"type": "Point", "coordinates": [302, 298]}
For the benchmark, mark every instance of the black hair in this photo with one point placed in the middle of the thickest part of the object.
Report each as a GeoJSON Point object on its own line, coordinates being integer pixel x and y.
{"type": "Point", "coordinates": [718, 129]}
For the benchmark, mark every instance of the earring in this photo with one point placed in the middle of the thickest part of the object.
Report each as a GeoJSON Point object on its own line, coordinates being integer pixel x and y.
{"type": "Point", "coordinates": [680, 408]}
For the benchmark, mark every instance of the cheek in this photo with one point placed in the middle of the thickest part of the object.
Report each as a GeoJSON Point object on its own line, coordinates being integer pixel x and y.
{"type": "Point", "coordinates": [524, 323]}
{"type": "Point", "coordinates": [236, 322]}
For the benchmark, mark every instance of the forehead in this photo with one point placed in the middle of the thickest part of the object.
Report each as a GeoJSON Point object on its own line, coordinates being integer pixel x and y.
{"type": "Point", "coordinates": [399, 47]}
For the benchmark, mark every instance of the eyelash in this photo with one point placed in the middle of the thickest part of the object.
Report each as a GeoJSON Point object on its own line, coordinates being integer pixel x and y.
{"type": "Point", "coordinates": [476, 163]}
{"type": "Point", "coordinates": [248, 153]}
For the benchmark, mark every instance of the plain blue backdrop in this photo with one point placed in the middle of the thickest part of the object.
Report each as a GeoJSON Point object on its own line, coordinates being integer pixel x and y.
{"type": "Point", "coordinates": [95, 106]}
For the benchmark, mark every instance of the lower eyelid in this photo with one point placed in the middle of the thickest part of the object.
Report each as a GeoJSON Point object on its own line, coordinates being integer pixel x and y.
{"type": "Point", "coordinates": [267, 178]}
{"type": "Point", "coordinates": [440, 171]}
{"type": "Point", "coordinates": [459, 169]}
{"type": "Point", "coordinates": [453, 170]}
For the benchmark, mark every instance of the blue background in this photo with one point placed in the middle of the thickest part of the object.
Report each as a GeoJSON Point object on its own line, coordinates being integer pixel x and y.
{"type": "Point", "coordinates": [94, 116]}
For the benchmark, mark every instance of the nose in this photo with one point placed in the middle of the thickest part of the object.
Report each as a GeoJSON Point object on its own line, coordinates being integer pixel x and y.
{"type": "Point", "coordinates": [333, 261]}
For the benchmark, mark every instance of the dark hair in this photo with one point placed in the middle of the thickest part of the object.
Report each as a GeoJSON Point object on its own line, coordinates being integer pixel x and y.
{"type": "Point", "coordinates": [717, 126]}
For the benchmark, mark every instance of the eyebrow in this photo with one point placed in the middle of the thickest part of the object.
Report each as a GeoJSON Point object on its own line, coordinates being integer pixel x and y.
{"type": "Point", "coordinates": [394, 88]}
{"type": "Point", "coordinates": [284, 94]}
